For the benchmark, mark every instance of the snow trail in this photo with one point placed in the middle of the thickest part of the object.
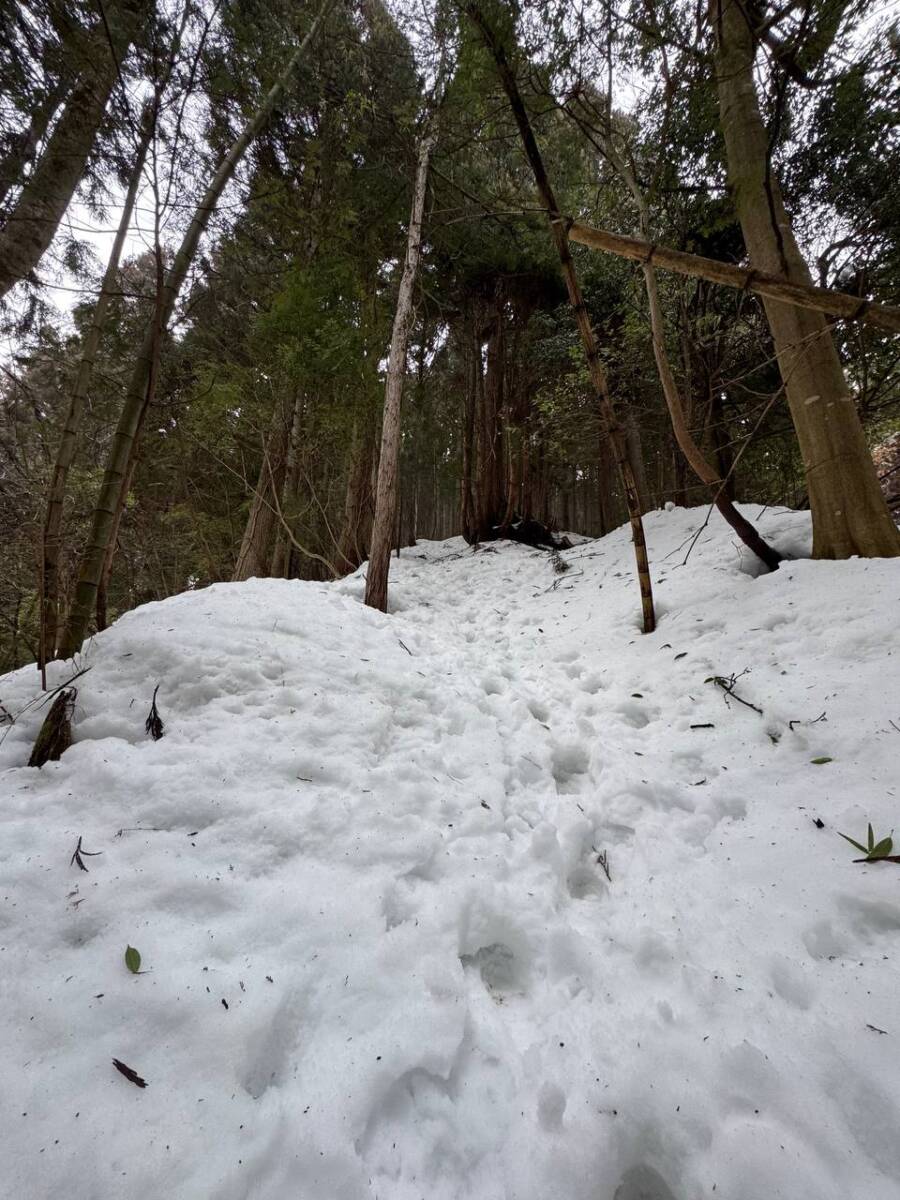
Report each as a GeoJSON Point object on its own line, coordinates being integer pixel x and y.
{"type": "Point", "coordinates": [362, 870]}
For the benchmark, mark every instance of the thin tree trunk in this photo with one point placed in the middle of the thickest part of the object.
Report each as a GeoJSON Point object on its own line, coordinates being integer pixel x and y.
{"type": "Point", "coordinates": [255, 553]}
{"type": "Point", "coordinates": [103, 588]}
{"type": "Point", "coordinates": [34, 219]}
{"type": "Point", "coordinates": [56, 494]}
{"type": "Point", "coordinates": [12, 169]}
{"type": "Point", "coordinates": [472, 359]}
{"type": "Point", "coordinates": [489, 432]}
{"type": "Point", "coordinates": [636, 459]}
{"type": "Point", "coordinates": [140, 390]}
{"type": "Point", "coordinates": [598, 374]}
{"type": "Point", "coordinates": [389, 460]}
{"type": "Point", "coordinates": [131, 464]}
{"type": "Point", "coordinates": [849, 513]}
{"type": "Point", "coordinates": [281, 556]}
{"type": "Point", "coordinates": [604, 491]}
{"type": "Point", "coordinates": [748, 534]}
{"type": "Point", "coordinates": [689, 448]}
{"type": "Point", "coordinates": [354, 538]}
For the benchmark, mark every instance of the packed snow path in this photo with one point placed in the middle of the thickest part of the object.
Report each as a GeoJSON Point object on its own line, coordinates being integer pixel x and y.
{"type": "Point", "coordinates": [361, 867]}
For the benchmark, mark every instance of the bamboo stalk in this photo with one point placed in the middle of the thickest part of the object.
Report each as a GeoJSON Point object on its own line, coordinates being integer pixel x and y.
{"type": "Point", "coordinates": [559, 226]}
{"type": "Point", "coordinates": [824, 300]}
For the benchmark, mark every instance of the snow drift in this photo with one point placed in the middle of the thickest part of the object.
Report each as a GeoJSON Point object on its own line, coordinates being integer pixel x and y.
{"type": "Point", "coordinates": [381, 956]}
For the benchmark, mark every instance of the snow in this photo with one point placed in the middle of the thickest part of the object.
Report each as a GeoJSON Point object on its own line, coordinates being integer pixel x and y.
{"type": "Point", "coordinates": [376, 839]}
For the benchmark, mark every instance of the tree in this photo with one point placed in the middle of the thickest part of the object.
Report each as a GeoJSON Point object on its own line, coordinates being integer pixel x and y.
{"type": "Point", "coordinates": [389, 460]}
{"type": "Point", "coordinates": [142, 383]}
{"type": "Point", "coordinates": [850, 516]}
{"type": "Point", "coordinates": [33, 220]}
{"type": "Point", "coordinates": [52, 531]}
{"type": "Point", "coordinates": [614, 425]}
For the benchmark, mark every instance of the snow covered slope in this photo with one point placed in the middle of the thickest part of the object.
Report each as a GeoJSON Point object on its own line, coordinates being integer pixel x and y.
{"type": "Point", "coordinates": [380, 957]}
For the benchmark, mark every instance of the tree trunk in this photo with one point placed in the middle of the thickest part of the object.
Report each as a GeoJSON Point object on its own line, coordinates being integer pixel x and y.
{"type": "Point", "coordinates": [22, 154]}
{"type": "Point", "coordinates": [102, 610]}
{"type": "Point", "coordinates": [40, 206]}
{"type": "Point", "coordinates": [56, 494]}
{"type": "Point", "coordinates": [597, 372]}
{"type": "Point", "coordinates": [389, 459]}
{"type": "Point", "coordinates": [354, 539]}
{"type": "Point", "coordinates": [689, 448]}
{"type": "Point", "coordinates": [255, 553]}
{"type": "Point", "coordinates": [142, 383]}
{"type": "Point", "coordinates": [281, 555]}
{"type": "Point", "coordinates": [636, 460]}
{"type": "Point", "coordinates": [489, 432]}
{"type": "Point", "coordinates": [849, 513]}
{"type": "Point", "coordinates": [468, 519]}
{"type": "Point", "coordinates": [680, 426]}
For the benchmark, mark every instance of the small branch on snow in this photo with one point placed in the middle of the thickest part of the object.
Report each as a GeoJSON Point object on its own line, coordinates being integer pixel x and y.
{"type": "Point", "coordinates": [77, 859]}
{"type": "Point", "coordinates": [154, 724]}
{"type": "Point", "coordinates": [603, 861]}
{"type": "Point", "coordinates": [797, 721]}
{"type": "Point", "coordinates": [728, 685]}
{"type": "Point", "coordinates": [130, 1075]}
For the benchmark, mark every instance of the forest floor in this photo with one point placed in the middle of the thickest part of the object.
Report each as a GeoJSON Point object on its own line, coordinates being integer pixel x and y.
{"type": "Point", "coordinates": [380, 955]}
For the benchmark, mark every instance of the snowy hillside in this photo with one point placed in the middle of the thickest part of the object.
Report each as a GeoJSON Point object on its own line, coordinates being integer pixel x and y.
{"type": "Point", "coordinates": [380, 957]}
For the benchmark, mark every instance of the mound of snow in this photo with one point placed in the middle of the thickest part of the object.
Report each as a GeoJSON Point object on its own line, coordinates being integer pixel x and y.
{"type": "Point", "coordinates": [380, 955]}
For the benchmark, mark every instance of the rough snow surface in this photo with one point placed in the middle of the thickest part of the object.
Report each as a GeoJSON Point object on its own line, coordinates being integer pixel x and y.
{"type": "Point", "coordinates": [376, 839]}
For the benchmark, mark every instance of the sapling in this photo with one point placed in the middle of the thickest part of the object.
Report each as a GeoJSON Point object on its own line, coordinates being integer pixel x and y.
{"type": "Point", "coordinates": [874, 850]}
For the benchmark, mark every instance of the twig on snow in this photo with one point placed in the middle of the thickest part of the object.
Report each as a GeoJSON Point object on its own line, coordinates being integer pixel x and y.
{"type": "Point", "coordinates": [76, 858]}
{"type": "Point", "coordinates": [154, 724]}
{"type": "Point", "coordinates": [131, 1076]}
{"type": "Point", "coordinates": [727, 686]}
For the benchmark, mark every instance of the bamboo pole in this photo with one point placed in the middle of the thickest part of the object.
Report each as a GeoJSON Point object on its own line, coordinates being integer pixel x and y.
{"type": "Point", "coordinates": [558, 228]}
{"type": "Point", "coordinates": [745, 279]}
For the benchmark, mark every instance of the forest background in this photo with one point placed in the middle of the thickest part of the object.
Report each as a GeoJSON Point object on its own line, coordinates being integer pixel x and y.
{"type": "Point", "coordinates": [214, 268]}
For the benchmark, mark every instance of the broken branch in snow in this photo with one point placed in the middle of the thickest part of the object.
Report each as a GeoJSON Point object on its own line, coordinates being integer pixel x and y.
{"type": "Point", "coordinates": [154, 725]}
{"type": "Point", "coordinates": [55, 734]}
{"type": "Point", "coordinates": [603, 860]}
{"type": "Point", "coordinates": [728, 685]}
{"type": "Point", "coordinates": [38, 701]}
{"type": "Point", "coordinates": [79, 851]}
{"type": "Point", "coordinates": [797, 721]}
{"type": "Point", "coordinates": [131, 1076]}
